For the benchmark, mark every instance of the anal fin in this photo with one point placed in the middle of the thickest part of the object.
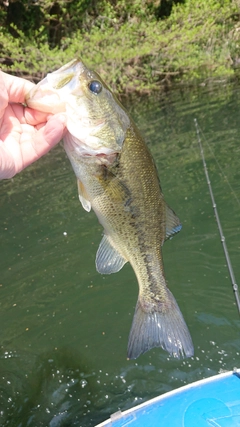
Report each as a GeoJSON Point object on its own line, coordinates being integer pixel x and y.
{"type": "Point", "coordinates": [173, 224]}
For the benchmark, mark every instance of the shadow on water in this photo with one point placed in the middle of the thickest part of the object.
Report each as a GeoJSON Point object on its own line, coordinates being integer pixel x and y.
{"type": "Point", "coordinates": [64, 327]}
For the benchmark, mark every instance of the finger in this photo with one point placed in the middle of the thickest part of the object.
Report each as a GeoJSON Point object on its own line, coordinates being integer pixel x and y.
{"type": "Point", "coordinates": [35, 145]}
{"type": "Point", "coordinates": [3, 96]}
{"type": "Point", "coordinates": [34, 117]}
{"type": "Point", "coordinates": [7, 163]}
{"type": "Point", "coordinates": [17, 111]}
{"type": "Point", "coordinates": [10, 126]}
{"type": "Point", "coordinates": [25, 144]}
{"type": "Point", "coordinates": [28, 115]}
{"type": "Point", "coordinates": [16, 87]}
{"type": "Point", "coordinates": [54, 129]}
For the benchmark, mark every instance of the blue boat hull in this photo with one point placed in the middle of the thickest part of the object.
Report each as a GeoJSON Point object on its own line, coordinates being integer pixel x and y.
{"type": "Point", "coordinates": [212, 402]}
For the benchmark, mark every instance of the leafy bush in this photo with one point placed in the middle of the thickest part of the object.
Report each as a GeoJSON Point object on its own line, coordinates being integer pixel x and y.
{"type": "Point", "coordinates": [136, 46]}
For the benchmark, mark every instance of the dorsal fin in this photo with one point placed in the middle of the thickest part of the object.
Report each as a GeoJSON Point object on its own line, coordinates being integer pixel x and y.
{"type": "Point", "coordinates": [173, 225]}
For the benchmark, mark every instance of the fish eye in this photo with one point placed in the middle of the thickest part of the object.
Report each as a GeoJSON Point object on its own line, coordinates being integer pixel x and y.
{"type": "Point", "coordinates": [95, 87]}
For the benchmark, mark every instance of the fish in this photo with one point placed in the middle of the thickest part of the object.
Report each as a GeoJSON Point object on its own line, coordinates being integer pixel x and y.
{"type": "Point", "coordinates": [118, 179]}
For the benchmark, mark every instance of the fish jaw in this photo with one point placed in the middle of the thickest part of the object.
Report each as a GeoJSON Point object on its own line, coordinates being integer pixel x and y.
{"type": "Point", "coordinates": [52, 93]}
{"type": "Point", "coordinates": [58, 91]}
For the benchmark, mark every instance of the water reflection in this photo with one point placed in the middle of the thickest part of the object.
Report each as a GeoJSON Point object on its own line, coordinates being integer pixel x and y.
{"type": "Point", "coordinates": [64, 327]}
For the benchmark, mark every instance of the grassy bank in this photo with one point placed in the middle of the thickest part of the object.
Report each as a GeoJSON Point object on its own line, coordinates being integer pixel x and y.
{"type": "Point", "coordinates": [134, 50]}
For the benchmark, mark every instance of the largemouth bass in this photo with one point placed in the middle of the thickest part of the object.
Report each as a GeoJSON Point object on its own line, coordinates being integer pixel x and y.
{"type": "Point", "coordinates": [117, 178]}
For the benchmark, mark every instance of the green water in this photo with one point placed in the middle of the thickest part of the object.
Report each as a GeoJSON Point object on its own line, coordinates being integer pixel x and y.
{"type": "Point", "coordinates": [64, 327]}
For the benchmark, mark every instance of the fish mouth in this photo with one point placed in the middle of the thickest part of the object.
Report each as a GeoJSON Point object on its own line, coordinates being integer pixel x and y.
{"type": "Point", "coordinates": [50, 95]}
{"type": "Point", "coordinates": [45, 101]}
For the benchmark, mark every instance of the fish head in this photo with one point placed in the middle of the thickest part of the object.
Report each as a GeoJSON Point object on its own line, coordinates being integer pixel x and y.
{"type": "Point", "coordinates": [96, 121]}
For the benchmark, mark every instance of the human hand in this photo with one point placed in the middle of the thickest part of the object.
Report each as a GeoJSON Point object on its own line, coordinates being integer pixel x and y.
{"type": "Point", "coordinates": [25, 134]}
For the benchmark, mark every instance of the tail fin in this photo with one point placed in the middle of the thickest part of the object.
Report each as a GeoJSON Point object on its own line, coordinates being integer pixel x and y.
{"type": "Point", "coordinates": [165, 328]}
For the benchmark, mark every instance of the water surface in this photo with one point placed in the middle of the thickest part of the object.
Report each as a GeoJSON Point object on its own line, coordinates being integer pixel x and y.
{"type": "Point", "coordinates": [64, 327]}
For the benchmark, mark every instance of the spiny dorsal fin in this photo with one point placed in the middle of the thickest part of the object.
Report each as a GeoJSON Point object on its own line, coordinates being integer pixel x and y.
{"type": "Point", "coordinates": [108, 259]}
{"type": "Point", "coordinates": [173, 224]}
{"type": "Point", "coordinates": [83, 197]}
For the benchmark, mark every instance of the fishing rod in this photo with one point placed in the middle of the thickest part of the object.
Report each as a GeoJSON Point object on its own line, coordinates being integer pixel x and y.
{"type": "Point", "coordinates": [223, 240]}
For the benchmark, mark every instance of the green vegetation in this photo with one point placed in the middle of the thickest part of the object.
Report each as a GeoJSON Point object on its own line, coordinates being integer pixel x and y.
{"type": "Point", "coordinates": [137, 45]}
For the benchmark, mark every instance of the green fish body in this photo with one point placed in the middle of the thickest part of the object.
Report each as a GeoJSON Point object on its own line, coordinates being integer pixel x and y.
{"type": "Point", "coordinates": [117, 178]}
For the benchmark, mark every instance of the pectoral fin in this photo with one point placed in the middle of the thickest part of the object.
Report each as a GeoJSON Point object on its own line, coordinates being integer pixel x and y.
{"type": "Point", "coordinates": [83, 197]}
{"type": "Point", "coordinates": [173, 224]}
{"type": "Point", "coordinates": [108, 259]}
